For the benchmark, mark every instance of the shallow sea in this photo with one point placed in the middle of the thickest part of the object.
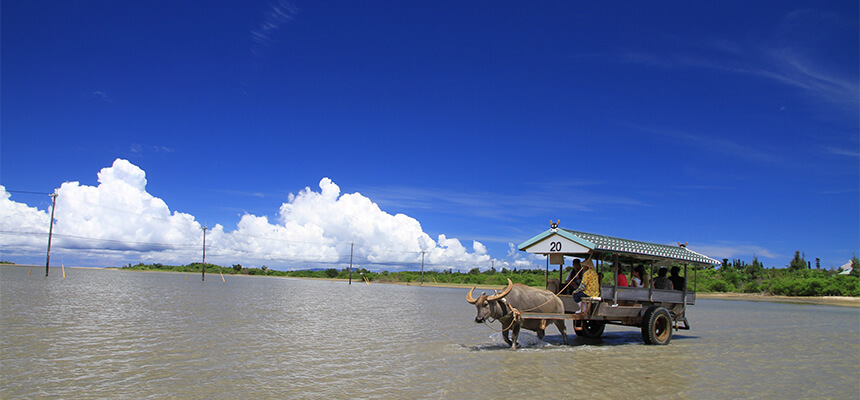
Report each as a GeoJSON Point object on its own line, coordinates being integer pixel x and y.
{"type": "Point", "coordinates": [122, 334]}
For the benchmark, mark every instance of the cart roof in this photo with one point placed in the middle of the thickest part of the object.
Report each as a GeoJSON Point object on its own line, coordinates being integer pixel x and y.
{"type": "Point", "coordinates": [568, 242]}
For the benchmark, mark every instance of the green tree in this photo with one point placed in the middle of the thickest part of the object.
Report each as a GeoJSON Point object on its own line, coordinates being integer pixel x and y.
{"type": "Point", "coordinates": [755, 269]}
{"type": "Point", "coordinates": [237, 267]}
{"type": "Point", "coordinates": [797, 263]}
{"type": "Point", "coordinates": [331, 273]}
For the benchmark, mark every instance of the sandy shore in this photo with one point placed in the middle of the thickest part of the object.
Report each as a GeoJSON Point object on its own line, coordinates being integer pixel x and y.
{"type": "Point", "coordinates": [823, 300]}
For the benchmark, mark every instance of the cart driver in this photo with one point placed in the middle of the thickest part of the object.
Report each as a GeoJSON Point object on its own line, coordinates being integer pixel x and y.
{"type": "Point", "coordinates": [573, 275]}
{"type": "Point", "coordinates": [590, 286]}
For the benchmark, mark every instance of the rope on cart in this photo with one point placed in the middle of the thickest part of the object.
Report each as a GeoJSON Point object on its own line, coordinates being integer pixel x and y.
{"type": "Point", "coordinates": [562, 289]}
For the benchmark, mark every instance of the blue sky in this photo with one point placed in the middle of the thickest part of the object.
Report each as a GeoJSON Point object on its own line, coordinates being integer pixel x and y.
{"type": "Point", "coordinates": [732, 126]}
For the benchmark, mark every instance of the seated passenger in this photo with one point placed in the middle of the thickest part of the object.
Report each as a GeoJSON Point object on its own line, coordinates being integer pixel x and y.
{"type": "Point", "coordinates": [622, 279]}
{"type": "Point", "coordinates": [590, 286]}
{"type": "Point", "coordinates": [678, 282]}
{"type": "Point", "coordinates": [661, 281]}
{"type": "Point", "coordinates": [646, 279]}
{"type": "Point", "coordinates": [637, 277]}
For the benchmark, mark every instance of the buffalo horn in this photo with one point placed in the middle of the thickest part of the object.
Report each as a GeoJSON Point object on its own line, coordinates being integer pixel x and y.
{"type": "Point", "coordinates": [469, 297]}
{"type": "Point", "coordinates": [503, 293]}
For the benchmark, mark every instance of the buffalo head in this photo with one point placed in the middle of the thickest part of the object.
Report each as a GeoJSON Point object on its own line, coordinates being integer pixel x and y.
{"type": "Point", "coordinates": [488, 306]}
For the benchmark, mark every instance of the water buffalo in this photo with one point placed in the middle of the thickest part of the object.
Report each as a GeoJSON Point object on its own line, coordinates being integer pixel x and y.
{"type": "Point", "coordinates": [503, 306]}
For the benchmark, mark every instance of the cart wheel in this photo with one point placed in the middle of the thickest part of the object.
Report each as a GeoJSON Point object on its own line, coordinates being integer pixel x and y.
{"type": "Point", "coordinates": [656, 326]}
{"type": "Point", "coordinates": [591, 329]}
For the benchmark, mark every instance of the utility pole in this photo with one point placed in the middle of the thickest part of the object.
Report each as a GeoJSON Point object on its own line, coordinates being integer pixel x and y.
{"type": "Point", "coordinates": [351, 245]}
{"type": "Point", "coordinates": [204, 254]}
{"type": "Point", "coordinates": [51, 230]}
{"type": "Point", "coordinates": [422, 267]}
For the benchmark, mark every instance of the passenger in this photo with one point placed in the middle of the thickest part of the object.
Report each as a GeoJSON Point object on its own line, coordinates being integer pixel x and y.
{"type": "Point", "coordinates": [636, 281]}
{"type": "Point", "coordinates": [643, 277]}
{"type": "Point", "coordinates": [590, 286]}
{"type": "Point", "coordinates": [622, 279]}
{"type": "Point", "coordinates": [678, 282]}
{"type": "Point", "coordinates": [661, 281]}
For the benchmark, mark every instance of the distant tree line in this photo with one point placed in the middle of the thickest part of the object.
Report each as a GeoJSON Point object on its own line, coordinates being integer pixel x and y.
{"type": "Point", "coordinates": [796, 279]}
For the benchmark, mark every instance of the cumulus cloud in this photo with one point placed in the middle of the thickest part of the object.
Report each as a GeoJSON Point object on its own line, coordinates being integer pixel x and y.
{"type": "Point", "coordinates": [118, 221]}
{"type": "Point", "coordinates": [119, 214]}
{"type": "Point", "coordinates": [520, 260]}
{"type": "Point", "coordinates": [21, 227]}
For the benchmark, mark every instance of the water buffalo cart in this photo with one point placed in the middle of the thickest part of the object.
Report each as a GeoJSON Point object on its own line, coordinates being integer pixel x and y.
{"type": "Point", "coordinates": [655, 311]}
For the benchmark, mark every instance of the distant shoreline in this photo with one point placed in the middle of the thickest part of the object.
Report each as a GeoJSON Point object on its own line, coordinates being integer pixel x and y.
{"type": "Point", "coordinates": [843, 301]}
{"type": "Point", "coordinates": [817, 300]}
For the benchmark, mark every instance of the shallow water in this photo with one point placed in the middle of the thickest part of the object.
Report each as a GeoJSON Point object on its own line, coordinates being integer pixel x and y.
{"type": "Point", "coordinates": [123, 334]}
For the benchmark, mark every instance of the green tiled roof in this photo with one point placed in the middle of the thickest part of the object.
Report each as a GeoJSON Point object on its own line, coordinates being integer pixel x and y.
{"type": "Point", "coordinates": [632, 248]}
{"type": "Point", "coordinates": [617, 245]}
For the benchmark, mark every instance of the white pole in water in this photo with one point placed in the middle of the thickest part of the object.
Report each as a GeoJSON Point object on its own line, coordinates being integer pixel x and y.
{"type": "Point", "coordinates": [422, 267]}
{"type": "Point", "coordinates": [203, 276]}
{"type": "Point", "coordinates": [351, 245]}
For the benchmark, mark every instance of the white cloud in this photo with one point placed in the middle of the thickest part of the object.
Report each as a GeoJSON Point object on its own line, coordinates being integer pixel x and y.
{"type": "Point", "coordinates": [102, 95]}
{"type": "Point", "coordinates": [276, 16]}
{"type": "Point", "coordinates": [21, 227]}
{"type": "Point", "coordinates": [713, 144]}
{"type": "Point", "coordinates": [97, 95]}
{"type": "Point", "coordinates": [799, 54]}
{"type": "Point", "coordinates": [118, 221]}
{"type": "Point", "coordinates": [496, 205]}
{"type": "Point", "coordinates": [520, 260]}
{"type": "Point", "coordinates": [119, 214]}
{"type": "Point", "coordinates": [379, 237]}
{"type": "Point", "coordinates": [842, 152]}
{"type": "Point", "coordinates": [720, 251]}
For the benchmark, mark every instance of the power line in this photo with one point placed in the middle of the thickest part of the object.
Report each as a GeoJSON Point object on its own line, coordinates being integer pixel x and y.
{"type": "Point", "coordinates": [128, 242]}
{"type": "Point", "coordinates": [26, 192]}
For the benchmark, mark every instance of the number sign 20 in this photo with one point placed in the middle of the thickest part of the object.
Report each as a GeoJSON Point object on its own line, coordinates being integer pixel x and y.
{"type": "Point", "coordinates": [555, 246]}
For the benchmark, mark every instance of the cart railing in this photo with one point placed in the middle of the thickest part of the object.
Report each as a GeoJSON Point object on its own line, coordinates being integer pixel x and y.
{"type": "Point", "coordinates": [646, 294]}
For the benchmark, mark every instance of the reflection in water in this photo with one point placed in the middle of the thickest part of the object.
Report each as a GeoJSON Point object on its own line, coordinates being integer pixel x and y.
{"type": "Point", "coordinates": [120, 334]}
